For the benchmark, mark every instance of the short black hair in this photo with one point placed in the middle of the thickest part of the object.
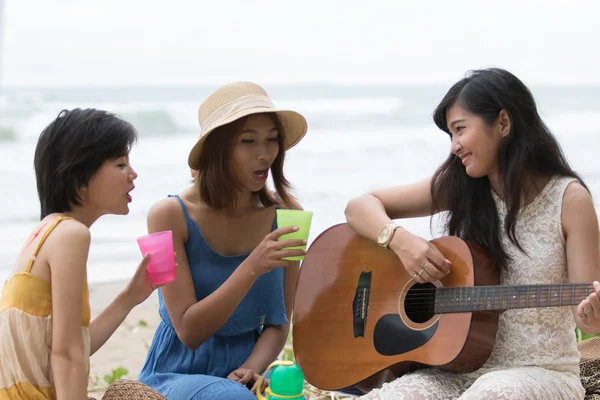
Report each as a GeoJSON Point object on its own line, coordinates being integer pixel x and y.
{"type": "Point", "coordinates": [71, 149]}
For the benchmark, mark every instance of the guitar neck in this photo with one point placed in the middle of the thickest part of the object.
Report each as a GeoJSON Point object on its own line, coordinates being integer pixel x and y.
{"type": "Point", "coordinates": [491, 298]}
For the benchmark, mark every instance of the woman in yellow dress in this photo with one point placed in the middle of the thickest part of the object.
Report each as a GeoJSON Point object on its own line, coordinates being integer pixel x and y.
{"type": "Point", "coordinates": [46, 337]}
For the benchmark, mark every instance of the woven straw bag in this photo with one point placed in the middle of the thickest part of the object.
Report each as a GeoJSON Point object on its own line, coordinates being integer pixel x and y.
{"type": "Point", "coordinates": [127, 389]}
{"type": "Point", "coordinates": [590, 367]}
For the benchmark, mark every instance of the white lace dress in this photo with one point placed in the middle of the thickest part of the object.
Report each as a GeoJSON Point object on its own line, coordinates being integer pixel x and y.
{"type": "Point", "coordinates": [535, 354]}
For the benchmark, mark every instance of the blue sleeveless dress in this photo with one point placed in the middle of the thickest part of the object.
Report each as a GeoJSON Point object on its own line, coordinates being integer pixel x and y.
{"type": "Point", "coordinates": [180, 373]}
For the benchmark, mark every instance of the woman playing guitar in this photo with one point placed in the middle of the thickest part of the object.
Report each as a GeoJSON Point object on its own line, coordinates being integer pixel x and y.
{"type": "Point", "coordinates": [507, 186]}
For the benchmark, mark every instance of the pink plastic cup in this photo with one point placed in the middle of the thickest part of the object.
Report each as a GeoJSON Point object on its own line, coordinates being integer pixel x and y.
{"type": "Point", "coordinates": [161, 268]}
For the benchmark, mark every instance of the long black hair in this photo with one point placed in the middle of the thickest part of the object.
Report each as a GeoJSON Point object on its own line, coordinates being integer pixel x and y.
{"type": "Point", "coordinates": [529, 148]}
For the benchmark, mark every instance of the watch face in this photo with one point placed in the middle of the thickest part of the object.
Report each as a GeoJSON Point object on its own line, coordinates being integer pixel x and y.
{"type": "Point", "coordinates": [384, 234]}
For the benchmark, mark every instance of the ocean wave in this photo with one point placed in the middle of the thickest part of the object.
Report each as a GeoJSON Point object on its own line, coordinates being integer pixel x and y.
{"type": "Point", "coordinates": [153, 123]}
{"type": "Point", "coordinates": [25, 120]}
{"type": "Point", "coordinates": [345, 105]}
{"type": "Point", "coordinates": [162, 112]}
{"type": "Point", "coordinates": [147, 123]}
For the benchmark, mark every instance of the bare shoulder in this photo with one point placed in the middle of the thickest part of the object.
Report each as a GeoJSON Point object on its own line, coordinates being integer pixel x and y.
{"type": "Point", "coordinates": [166, 208]}
{"type": "Point", "coordinates": [68, 246]}
{"type": "Point", "coordinates": [167, 214]}
{"type": "Point", "coordinates": [577, 203]}
{"type": "Point", "coordinates": [70, 232]}
{"type": "Point", "coordinates": [576, 193]}
{"type": "Point", "coordinates": [578, 208]}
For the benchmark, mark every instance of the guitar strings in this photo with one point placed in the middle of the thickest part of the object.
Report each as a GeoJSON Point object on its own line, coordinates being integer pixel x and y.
{"type": "Point", "coordinates": [426, 301]}
{"type": "Point", "coordinates": [430, 307]}
{"type": "Point", "coordinates": [497, 297]}
{"type": "Point", "coordinates": [443, 302]}
{"type": "Point", "coordinates": [507, 288]}
{"type": "Point", "coordinates": [476, 292]}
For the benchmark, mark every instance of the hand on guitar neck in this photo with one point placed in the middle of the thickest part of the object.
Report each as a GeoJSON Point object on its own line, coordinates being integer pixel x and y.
{"type": "Point", "coordinates": [421, 259]}
{"type": "Point", "coordinates": [588, 310]}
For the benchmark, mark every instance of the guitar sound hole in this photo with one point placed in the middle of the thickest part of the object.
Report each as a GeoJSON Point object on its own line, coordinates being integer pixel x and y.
{"type": "Point", "coordinates": [419, 302]}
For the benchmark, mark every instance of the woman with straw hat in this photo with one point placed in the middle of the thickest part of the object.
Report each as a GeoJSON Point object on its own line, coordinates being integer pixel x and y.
{"type": "Point", "coordinates": [226, 316]}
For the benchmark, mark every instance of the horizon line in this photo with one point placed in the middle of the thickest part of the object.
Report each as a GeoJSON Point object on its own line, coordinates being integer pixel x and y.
{"type": "Point", "coordinates": [349, 84]}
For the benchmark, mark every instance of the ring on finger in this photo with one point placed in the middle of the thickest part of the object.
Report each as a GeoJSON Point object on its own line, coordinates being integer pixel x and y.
{"type": "Point", "coordinates": [587, 310]}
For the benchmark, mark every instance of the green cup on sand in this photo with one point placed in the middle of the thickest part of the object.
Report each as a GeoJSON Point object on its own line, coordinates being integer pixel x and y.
{"type": "Point", "coordinates": [299, 218]}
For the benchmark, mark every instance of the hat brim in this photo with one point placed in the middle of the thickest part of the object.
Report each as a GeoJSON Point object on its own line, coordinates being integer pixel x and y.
{"type": "Point", "coordinates": [294, 129]}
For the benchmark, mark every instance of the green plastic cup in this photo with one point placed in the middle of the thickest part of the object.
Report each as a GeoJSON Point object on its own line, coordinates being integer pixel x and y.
{"type": "Point", "coordinates": [299, 218]}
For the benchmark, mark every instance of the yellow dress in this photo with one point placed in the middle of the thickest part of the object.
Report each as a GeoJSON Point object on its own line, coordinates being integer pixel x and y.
{"type": "Point", "coordinates": [26, 333]}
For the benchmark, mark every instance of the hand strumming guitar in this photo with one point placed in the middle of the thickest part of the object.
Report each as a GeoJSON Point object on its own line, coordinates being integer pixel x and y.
{"type": "Point", "coordinates": [421, 259]}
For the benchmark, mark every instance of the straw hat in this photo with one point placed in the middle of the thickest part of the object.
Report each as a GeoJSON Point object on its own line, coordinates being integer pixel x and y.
{"type": "Point", "coordinates": [589, 349]}
{"type": "Point", "coordinates": [237, 100]}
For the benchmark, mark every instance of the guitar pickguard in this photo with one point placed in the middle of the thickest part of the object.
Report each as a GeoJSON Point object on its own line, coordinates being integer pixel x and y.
{"type": "Point", "coordinates": [392, 337]}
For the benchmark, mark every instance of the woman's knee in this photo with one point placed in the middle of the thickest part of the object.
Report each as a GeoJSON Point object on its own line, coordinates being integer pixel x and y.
{"type": "Point", "coordinates": [420, 385]}
{"type": "Point", "coordinates": [224, 389]}
{"type": "Point", "coordinates": [526, 383]}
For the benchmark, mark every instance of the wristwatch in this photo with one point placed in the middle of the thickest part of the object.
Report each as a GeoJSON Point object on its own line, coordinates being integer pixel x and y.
{"type": "Point", "coordinates": [386, 234]}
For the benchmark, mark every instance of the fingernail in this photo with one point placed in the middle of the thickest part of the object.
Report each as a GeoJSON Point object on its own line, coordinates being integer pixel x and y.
{"type": "Point", "coordinates": [296, 228]}
{"type": "Point", "coordinates": [448, 261]}
{"type": "Point", "coordinates": [304, 241]}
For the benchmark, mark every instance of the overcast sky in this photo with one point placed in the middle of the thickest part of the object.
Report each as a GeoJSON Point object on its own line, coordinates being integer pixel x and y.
{"type": "Point", "coordinates": [68, 42]}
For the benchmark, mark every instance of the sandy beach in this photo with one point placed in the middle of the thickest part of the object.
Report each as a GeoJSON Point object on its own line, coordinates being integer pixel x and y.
{"type": "Point", "coordinates": [128, 346]}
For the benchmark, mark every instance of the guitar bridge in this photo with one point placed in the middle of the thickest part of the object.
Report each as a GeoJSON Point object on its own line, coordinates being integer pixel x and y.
{"type": "Point", "coordinates": [360, 304]}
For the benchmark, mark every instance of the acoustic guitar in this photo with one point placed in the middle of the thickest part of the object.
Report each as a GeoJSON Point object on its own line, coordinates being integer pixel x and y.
{"type": "Point", "coordinates": [360, 319]}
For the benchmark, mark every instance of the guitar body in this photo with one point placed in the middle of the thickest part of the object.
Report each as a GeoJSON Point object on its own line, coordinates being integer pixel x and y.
{"type": "Point", "coordinates": [359, 318]}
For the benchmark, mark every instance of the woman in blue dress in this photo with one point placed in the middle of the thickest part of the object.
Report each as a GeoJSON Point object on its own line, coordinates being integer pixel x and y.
{"type": "Point", "coordinates": [226, 316]}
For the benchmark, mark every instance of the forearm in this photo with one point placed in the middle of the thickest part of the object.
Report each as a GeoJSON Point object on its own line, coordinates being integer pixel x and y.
{"type": "Point", "coordinates": [105, 324]}
{"type": "Point", "coordinates": [70, 379]}
{"type": "Point", "coordinates": [204, 318]}
{"type": "Point", "coordinates": [267, 348]}
{"type": "Point", "coordinates": [367, 215]}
